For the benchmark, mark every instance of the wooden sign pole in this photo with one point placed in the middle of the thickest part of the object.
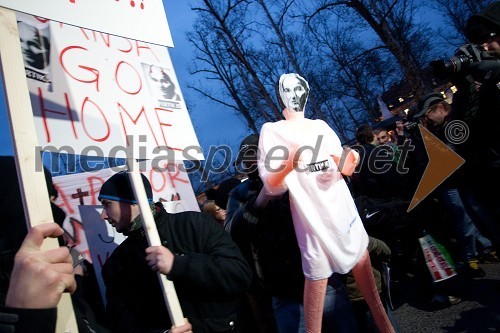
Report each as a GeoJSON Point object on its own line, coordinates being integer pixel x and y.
{"type": "Point", "coordinates": [32, 182]}
{"type": "Point", "coordinates": [167, 286]}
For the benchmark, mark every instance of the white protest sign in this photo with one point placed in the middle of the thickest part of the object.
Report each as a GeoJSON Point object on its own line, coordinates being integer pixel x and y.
{"type": "Point", "coordinates": [102, 240]}
{"type": "Point", "coordinates": [143, 20]}
{"type": "Point", "coordinates": [90, 92]}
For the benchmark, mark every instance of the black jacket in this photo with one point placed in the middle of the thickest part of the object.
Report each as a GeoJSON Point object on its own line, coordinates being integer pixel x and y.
{"type": "Point", "coordinates": [267, 239]}
{"type": "Point", "coordinates": [28, 320]}
{"type": "Point", "coordinates": [209, 273]}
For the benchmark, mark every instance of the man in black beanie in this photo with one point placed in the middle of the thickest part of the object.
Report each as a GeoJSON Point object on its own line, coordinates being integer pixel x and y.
{"type": "Point", "coordinates": [120, 205]}
{"type": "Point", "coordinates": [207, 268]}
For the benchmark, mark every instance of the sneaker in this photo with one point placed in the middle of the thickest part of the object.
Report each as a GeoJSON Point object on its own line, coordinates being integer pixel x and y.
{"type": "Point", "coordinates": [454, 300]}
{"type": "Point", "coordinates": [474, 270]}
{"type": "Point", "coordinates": [489, 257]}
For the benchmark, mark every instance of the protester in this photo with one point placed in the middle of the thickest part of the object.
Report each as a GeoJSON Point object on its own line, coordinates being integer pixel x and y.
{"type": "Point", "coordinates": [385, 139]}
{"type": "Point", "coordinates": [329, 231]}
{"type": "Point", "coordinates": [13, 224]}
{"type": "Point", "coordinates": [219, 214]}
{"type": "Point", "coordinates": [37, 282]}
{"type": "Point", "coordinates": [223, 189]}
{"type": "Point", "coordinates": [380, 255]}
{"type": "Point", "coordinates": [198, 256]}
{"type": "Point", "coordinates": [13, 233]}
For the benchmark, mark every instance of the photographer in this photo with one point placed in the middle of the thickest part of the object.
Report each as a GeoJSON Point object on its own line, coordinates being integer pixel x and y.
{"type": "Point", "coordinates": [483, 29]}
{"type": "Point", "coordinates": [475, 71]}
{"type": "Point", "coordinates": [438, 117]}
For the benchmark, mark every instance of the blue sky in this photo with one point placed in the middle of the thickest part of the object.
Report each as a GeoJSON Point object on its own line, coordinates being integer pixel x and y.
{"type": "Point", "coordinates": [213, 124]}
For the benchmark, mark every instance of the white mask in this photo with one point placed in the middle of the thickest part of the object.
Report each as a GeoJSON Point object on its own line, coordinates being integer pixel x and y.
{"type": "Point", "coordinates": [294, 91]}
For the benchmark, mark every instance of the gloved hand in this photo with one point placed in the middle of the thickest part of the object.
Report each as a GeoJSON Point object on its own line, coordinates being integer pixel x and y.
{"type": "Point", "coordinates": [485, 70]}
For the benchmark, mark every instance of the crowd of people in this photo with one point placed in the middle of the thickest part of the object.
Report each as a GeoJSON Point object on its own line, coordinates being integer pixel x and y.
{"type": "Point", "coordinates": [304, 243]}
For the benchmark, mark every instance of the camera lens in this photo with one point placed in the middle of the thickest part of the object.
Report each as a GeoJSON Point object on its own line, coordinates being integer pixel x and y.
{"type": "Point", "coordinates": [457, 64]}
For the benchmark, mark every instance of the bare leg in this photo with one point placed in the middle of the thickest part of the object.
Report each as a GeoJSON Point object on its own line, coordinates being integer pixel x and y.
{"type": "Point", "coordinates": [314, 301]}
{"type": "Point", "coordinates": [363, 275]}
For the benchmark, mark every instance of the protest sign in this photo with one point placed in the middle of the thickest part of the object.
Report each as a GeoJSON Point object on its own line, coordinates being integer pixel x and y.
{"type": "Point", "coordinates": [102, 239]}
{"type": "Point", "coordinates": [37, 45]}
{"type": "Point", "coordinates": [140, 20]}
{"type": "Point", "coordinates": [32, 184]}
{"type": "Point", "coordinates": [101, 95]}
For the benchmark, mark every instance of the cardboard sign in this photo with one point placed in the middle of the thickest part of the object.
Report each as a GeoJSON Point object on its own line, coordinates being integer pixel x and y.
{"type": "Point", "coordinates": [102, 240]}
{"type": "Point", "coordinates": [143, 20]}
{"type": "Point", "coordinates": [101, 95]}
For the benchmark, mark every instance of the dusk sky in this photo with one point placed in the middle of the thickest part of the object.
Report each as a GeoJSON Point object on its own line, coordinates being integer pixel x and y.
{"type": "Point", "coordinates": [213, 125]}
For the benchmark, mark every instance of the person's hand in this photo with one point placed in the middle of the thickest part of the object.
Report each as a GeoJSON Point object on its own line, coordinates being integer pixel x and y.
{"type": "Point", "coordinates": [424, 122]}
{"type": "Point", "coordinates": [400, 128]}
{"type": "Point", "coordinates": [160, 259]}
{"type": "Point", "coordinates": [186, 328]}
{"type": "Point", "coordinates": [485, 70]}
{"type": "Point", "coordinates": [494, 53]}
{"type": "Point", "coordinates": [40, 277]}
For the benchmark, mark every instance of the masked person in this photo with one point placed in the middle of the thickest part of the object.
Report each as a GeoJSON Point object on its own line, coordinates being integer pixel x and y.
{"type": "Point", "coordinates": [329, 231]}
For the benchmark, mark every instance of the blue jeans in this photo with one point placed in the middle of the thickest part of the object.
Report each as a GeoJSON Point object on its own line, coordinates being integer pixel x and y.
{"type": "Point", "coordinates": [338, 315]}
{"type": "Point", "coordinates": [480, 208]}
{"type": "Point", "coordinates": [466, 231]}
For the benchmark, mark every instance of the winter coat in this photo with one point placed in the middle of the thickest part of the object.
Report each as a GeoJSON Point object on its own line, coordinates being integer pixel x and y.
{"type": "Point", "coordinates": [209, 274]}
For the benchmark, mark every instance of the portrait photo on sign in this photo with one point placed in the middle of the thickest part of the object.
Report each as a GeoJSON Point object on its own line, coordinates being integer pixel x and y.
{"type": "Point", "coordinates": [34, 35]}
{"type": "Point", "coordinates": [162, 86]}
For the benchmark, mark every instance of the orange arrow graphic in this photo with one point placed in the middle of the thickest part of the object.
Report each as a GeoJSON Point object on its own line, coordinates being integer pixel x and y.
{"type": "Point", "coordinates": [442, 163]}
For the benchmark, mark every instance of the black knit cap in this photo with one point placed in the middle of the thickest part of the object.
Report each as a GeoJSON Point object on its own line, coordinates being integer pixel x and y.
{"type": "Point", "coordinates": [119, 188]}
{"type": "Point", "coordinates": [481, 25]}
{"type": "Point", "coordinates": [222, 194]}
{"type": "Point", "coordinates": [249, 148]}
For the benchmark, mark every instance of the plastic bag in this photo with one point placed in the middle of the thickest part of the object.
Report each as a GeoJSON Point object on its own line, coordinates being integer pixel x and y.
{"type": "Point", "coordinates": [437, 258]}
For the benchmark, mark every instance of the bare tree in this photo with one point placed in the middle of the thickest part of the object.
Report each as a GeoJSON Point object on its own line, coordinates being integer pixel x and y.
{"type": "Point", "coordinates": [285, 41]}
{"type": "Point", "coordinates": [349, 51]}
{"type": "Point", "coordinates": [227, 21]}
{"type": "Point", "coordinates": [392, 22]}
{"type": "Point", "coordinates": [210, 61]}
{"type": "Point", "coordinates": [455, 15]}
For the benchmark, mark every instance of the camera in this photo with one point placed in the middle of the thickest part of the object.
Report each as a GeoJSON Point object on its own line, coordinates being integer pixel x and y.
{"type": "Point", "coordinates": [460, 62]}
{"type": "Point", "coordinates": [457, 64]}
{"type": "Point", "coordinates": [411, 126]}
